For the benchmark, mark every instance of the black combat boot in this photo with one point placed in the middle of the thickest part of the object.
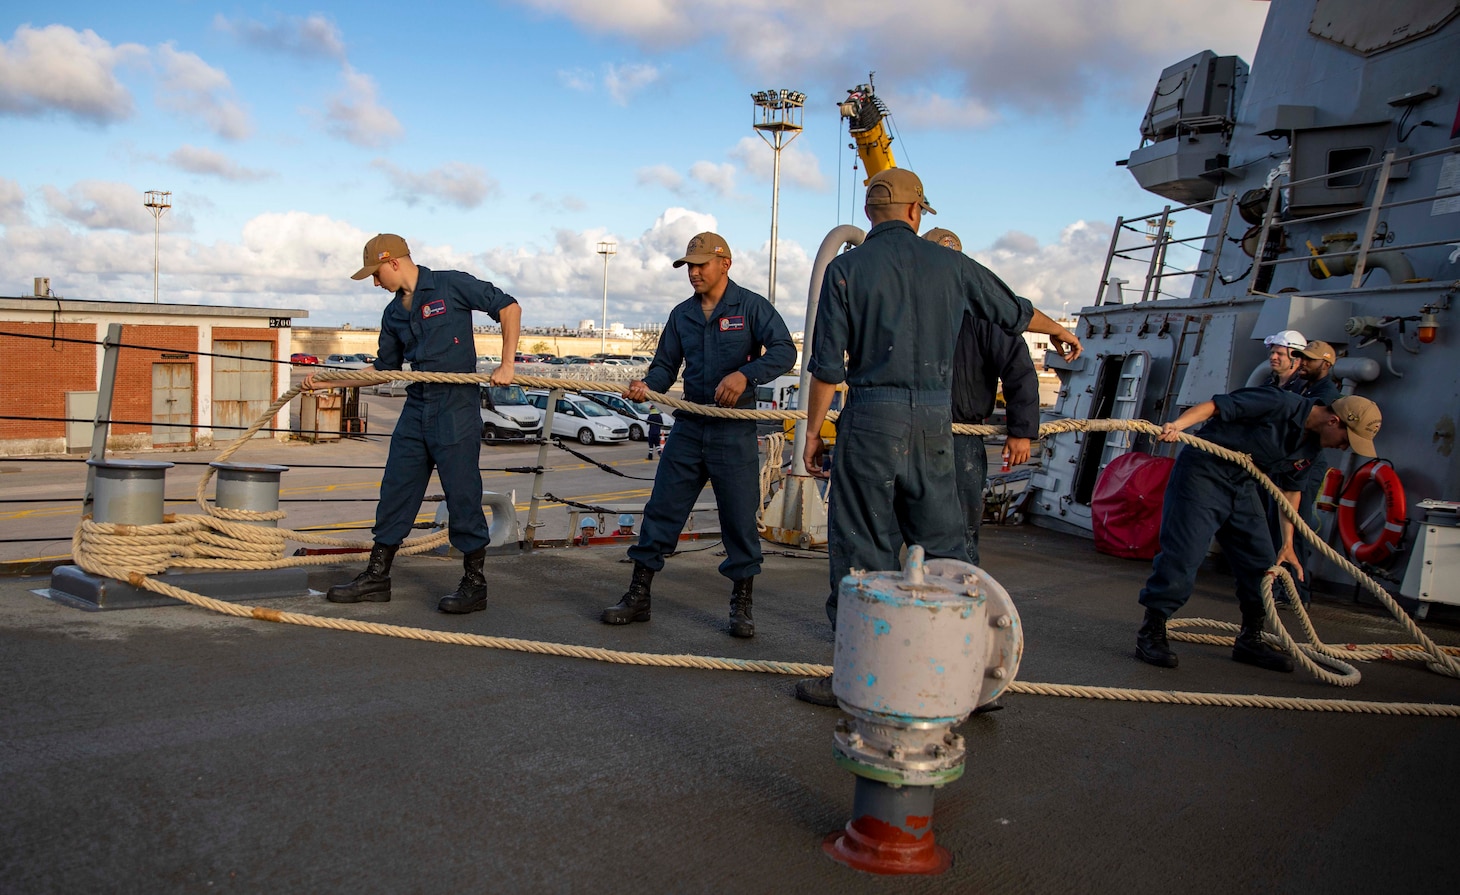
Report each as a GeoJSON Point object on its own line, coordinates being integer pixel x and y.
{"type": "Point", "coordinates": [817, 691]}
{"type": "Point", "coordinates": [371, 585]}
{"type": "Point", "coordinates": [1251, 649]}
{"type": "Point", "coordinates": [741, 624]}
{"type": "Point", "coordinates": [1151, 645]}
{"type": "Point", "coordinates": [633, 606]}
{"type": "Point", "coordinates": [471, 593]}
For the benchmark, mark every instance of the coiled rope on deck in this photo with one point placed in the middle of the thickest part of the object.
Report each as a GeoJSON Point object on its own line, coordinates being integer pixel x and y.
{"type": "Point", "coordinates": [222, 539]}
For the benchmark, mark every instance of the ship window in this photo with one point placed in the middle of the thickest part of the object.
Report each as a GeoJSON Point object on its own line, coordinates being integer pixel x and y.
{"type": "Point", "coordinates": [1345, 159]}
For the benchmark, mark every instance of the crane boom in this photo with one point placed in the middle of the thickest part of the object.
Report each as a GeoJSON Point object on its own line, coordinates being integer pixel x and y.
{"type": "Point", "coordinates": [866, 119]}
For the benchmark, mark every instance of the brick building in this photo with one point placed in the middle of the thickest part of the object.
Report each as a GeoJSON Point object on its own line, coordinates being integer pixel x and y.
{"type": "Point", "coordinates": [170, 392]}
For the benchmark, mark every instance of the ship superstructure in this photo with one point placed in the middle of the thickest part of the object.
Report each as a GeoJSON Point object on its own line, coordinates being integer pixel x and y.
{"type": "Point", "coordinates": [1318, 192]}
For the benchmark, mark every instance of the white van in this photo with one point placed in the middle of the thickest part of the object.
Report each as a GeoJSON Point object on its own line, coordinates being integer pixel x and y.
{"type": "Point", "coordinates": [780, 393]}
{"type": "Point", "coordinates": [508, 414]}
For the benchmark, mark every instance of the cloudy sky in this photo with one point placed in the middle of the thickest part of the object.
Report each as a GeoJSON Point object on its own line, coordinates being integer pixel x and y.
{"type": "Point", "coordinates": [508, 138]}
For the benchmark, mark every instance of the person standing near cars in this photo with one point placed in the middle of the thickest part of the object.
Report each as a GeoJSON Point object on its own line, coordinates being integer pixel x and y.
{"type": "Point", "coordinates": [728, 340]}
{"type": "Point", "coordinates": [428, 322]}
{"type": "Point", "coordinates": [656, 430]}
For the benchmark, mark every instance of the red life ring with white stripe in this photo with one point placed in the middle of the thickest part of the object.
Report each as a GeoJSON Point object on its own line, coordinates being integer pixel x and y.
{"type": "Point", "coordinates": [1387, 543]}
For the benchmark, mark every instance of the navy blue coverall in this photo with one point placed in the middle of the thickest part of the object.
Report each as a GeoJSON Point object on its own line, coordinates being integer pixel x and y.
{"type": "Point", "coordinates": [884, 325]}
{"type": "Point", "coordinates": [699, 447]}
{"type": "Point", "coordinates": [1207, 496]}
{"type": "Point", "coordinates": [440, 425]}
{"type": "Point", "coordinates": [983, 356]}
{"type": "Point", "coordinates": [1326, 391]}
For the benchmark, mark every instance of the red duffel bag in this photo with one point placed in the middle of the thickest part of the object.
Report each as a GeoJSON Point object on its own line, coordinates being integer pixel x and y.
{"type": "Point", "coordinates": [1126, 507]}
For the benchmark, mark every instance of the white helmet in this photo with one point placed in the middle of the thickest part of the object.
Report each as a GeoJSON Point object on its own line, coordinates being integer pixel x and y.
{"type": "Point", "coordinates": [1288, 338]}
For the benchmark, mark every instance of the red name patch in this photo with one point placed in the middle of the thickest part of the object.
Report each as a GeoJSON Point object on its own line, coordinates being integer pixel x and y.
{"type": "Point", "coordinates": [432, 308]}
{"type": "Point", "coordinates": [731, 324]}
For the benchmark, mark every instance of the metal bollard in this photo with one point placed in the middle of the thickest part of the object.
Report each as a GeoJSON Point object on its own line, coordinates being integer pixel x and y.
{"type": "Point", "coordinates": [249, 486]}
{"type": "Point", "coordinates": [128, 492]}
{"type": "Point", "coordinates": [916, 653]}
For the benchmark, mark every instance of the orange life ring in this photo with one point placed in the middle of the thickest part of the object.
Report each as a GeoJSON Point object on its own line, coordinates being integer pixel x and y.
{"type": "Point", "coordinates": [1387, 544]}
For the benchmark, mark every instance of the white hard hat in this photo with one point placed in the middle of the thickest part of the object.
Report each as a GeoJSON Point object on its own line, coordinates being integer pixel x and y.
{"type": "Point", "coordinates": [1288, 338]}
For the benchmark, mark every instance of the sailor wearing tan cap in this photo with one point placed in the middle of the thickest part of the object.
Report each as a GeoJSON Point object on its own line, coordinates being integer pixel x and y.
{"type": "Point", "coordinates": [885, 325]}
{"type": "Point", "coordinates": [1210, 497]}
{"type": "Point", "coordinates": [428, 322]}
{"type": "Point", "coordinates": [1314, 379]}
{"type": "Point", "coordinates": [728, 340]}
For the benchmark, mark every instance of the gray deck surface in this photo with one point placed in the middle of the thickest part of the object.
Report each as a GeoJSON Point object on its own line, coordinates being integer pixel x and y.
{"type": "Point", "coordinates": [175, 750]}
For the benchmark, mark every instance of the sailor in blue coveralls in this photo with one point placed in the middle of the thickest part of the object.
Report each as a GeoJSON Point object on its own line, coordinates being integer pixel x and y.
{"type": "Point", "coordinates": [429, 324]}
{"type": "Point", "coordinates": [729, 340]}
{"type": "Point", "coordinates": [888, 316]}
{"type": "Point", "coordinates": [1315, 364]}
{"type": "Point", "coordinates": [984, 357]}
{"type": "Point", "coordinates": [1208, 496]}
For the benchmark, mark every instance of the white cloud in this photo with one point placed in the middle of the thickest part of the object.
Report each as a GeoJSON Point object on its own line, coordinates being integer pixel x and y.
{"type": "Point", "coordinates": [660, 175]}
{"type": "Point", "coordinates": [101, 205]}
{"type": "Point", "coordinates": [356, 115]}
{"type": "Point", "coordinates": [308, 37]}
{"type": "Point", "coordinates": [193, 87]}
{"type": "Point", "coordinates": [57, 69]}
{"type": "Point", "coordinates": [455, 183]}
{"type": "Point", "coordinates": [720, 179]}
{"type": "Point", "coordinates": [206, 161]}
{"type": "Point", "coordinates": [926, 110]}
{"type": "Point", "coordinates": [560, 204]}
{"type": "Point", "coordinates": [799, 167]}
{"type": "Point", "coordinates": [12, 203]}
{"type": "Point", "coordinates": [1058, 277]}
{"type": "Point", "coordinates": [999, 53]}
{"type": "Point", "coordinates": [578, 79]}
{"type": "Point", "coordinates": [623, 81]}
{"type": "Point", "coordinates": [620, 82]}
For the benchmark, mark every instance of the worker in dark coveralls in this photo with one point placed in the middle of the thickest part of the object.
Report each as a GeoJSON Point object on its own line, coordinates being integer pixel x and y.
{"type": "Point", "coordinates": [1314, 380]}
{"type": "Point", "coordinates": [886, 323]}
{"type": "Point", "coordinates": [1207, 496]}
{"type": "Point", "coordinates": [429, 323]}
{"type": "Point", "coordinates": [729, 340]}
{"type": "Point", "coordinates": [984, 356]}
{"type": "Point", "coordinates": [656, 430]}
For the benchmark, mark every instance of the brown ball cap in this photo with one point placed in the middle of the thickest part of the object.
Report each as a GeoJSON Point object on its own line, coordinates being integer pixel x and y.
{"type": "Point", "coordinates": [378, 250]}
{"type": "Point", "coordinates": [703, 247]}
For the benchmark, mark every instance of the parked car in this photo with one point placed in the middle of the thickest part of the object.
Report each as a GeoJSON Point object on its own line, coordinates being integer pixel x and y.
{"type": "Point", "coordinates": [299, 358]}
{"type": "Point", "coordinates": [634, 413]}
{"type": "Point", "coordinates": [580, 418]}
{"type": "Point", "coordinates": [349, 361]}
{"type": "Point", "coordinates": [486, 363]}
{"type": "Point", "coordinates": [508, 414]}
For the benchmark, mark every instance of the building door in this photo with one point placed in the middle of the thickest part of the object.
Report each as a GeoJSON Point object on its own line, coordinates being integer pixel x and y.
{"type": "Point", "coordinates": [243, 385]}
{"type": "Point", "coordinates": [172, 404]}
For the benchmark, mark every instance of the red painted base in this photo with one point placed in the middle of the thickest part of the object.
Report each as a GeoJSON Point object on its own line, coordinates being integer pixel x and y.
{"type": "Point", "coordinates": [874, 846]}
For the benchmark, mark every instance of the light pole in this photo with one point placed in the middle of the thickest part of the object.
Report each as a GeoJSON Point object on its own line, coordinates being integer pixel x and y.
{"type": "Point", "coordinates": [606, 248]}
{"type": "Point", "coordinates": [157, 202]}
{"type": "Point", "coordinates": [777, 118]}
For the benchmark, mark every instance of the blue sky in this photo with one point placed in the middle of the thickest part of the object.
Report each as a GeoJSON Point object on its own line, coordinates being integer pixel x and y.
{"type": "Point", "coordinates": [508, 138]}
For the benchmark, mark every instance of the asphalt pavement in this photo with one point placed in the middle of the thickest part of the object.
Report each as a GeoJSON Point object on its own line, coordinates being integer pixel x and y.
{"type": "Point", "coordinates": [176, 750]}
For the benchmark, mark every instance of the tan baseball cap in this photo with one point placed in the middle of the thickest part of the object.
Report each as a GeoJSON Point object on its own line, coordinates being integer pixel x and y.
{"type": "Point", "coordinates": [703, 247]}
{"type": "Point", "coordinates": [944, 237]}
{"type": "Point", "coordinates": [1363, 419]}
{"type": "Point", "coordinates": [897, 186]}
{"type": "Point", "coordinates": [1318, 350]}
{"type": "Point", "coordinates": [379, 250]}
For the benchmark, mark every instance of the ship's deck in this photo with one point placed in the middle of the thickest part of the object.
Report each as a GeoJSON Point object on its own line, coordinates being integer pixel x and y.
{"type": "Point", "coordinates": [171, 749]}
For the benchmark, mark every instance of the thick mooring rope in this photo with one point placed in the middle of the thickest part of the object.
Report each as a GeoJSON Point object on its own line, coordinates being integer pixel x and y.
{"type": "Point", "coordinates": [222, 539]}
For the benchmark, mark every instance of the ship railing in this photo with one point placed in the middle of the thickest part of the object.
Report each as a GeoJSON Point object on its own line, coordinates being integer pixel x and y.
{"type": "Point", "coordinates": [1385, 168]}
{"type": "Point", "coordinates": [1156, 254]}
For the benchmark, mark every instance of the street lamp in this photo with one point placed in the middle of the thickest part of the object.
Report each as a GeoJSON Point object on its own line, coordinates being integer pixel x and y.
{"type": "Point", "coordinates": [605, 249]}
{"type": "Point", "coordinates": [157, 202]}
{"type": "Point", "coordinates": [777, 118]}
